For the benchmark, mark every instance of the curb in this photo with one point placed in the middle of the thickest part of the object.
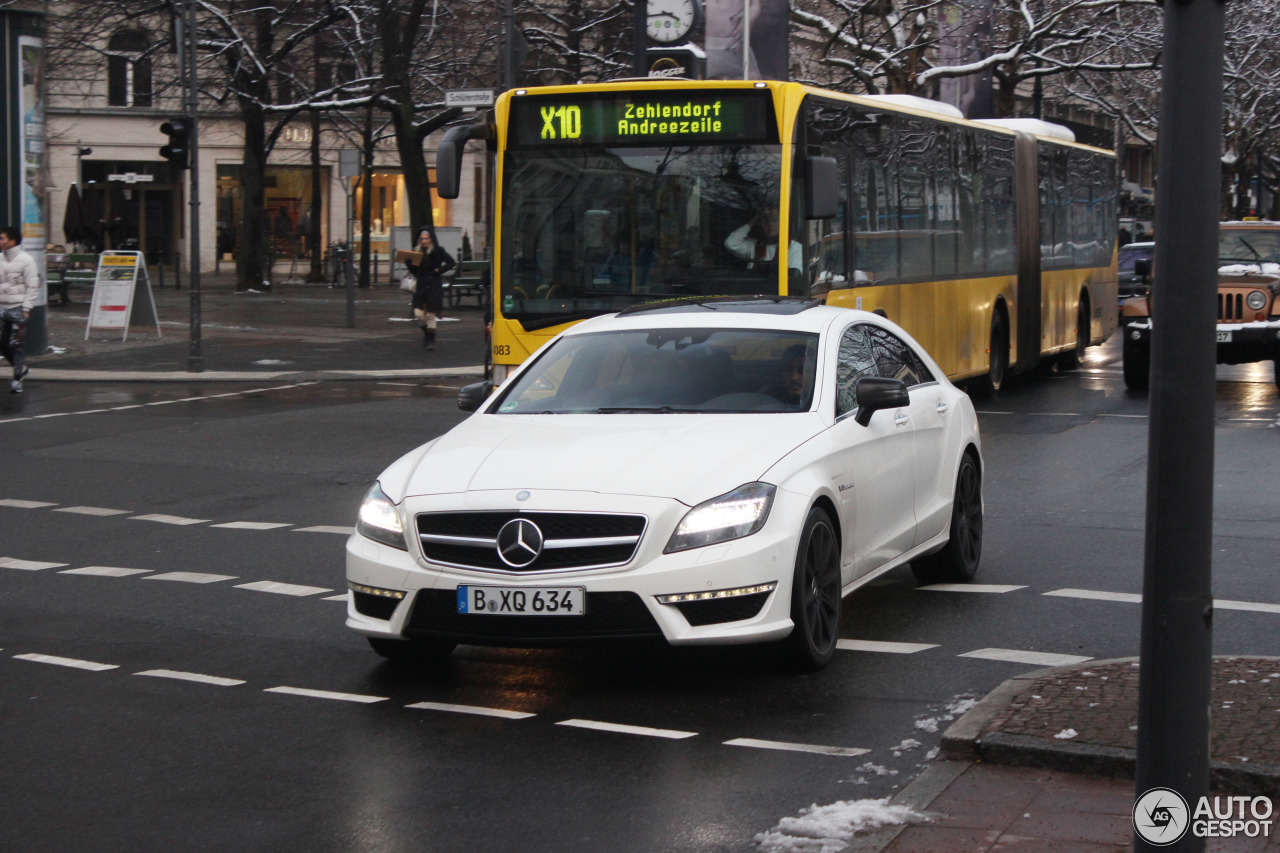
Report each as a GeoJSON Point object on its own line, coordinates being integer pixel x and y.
{"type": "Point", "coordinates": [918, 795]}
{"type": "Point", "coordinates": [967, 740]}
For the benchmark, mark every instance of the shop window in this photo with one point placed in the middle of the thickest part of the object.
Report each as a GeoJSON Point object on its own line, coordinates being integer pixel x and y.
{"type": "Point", "coordinates": [128, 70]}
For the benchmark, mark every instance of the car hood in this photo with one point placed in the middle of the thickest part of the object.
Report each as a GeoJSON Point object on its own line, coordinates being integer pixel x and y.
{"type": "Point", "coordinates": [690, 458]}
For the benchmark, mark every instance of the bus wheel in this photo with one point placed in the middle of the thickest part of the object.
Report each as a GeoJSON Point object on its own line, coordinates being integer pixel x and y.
{"type": "Point", "coordinates": [1072, 360]}
{"type": "Point", "coordinates": [989, 385]}
{"type": "Point", "coordinates": [1137, 367]}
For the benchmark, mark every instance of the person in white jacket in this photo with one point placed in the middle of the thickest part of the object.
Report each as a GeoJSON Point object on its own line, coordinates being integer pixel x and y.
{"type": "Point", "coordinates": [19, 289]}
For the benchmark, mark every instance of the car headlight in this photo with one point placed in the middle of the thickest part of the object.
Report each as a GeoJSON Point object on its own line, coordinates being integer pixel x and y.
{"type": "Point", "coordinates": [379, 520]}
{"type": "Point", "coordinates": [730, 516]}
{"type": "Point", "coordinates": [1257, 300]}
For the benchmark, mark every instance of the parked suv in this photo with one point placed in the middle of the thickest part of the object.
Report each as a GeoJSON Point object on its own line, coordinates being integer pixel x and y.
{"type": "Point", "coordinates": [1248, 303]}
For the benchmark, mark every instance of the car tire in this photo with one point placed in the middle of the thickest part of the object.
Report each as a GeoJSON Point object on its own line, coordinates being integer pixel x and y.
{"type": "Point", "coordinates": [1073, 359]}
{"type": "Point", "coordinates": [411, 651]}
{"type": "Point", "coordinates": [1137, 367]}
{"type": "Point", "coordinates": [958, 560]}
{"type": "Point", "coordinates": [815, 595]}
{"type": "Point", "coordinates": [990, 384]}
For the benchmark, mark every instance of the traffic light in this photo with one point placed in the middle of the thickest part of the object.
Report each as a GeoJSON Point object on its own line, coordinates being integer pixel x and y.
{"type": "Point", "coordinates": [179, 145]}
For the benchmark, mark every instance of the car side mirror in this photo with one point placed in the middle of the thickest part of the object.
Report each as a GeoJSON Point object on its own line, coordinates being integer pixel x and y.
{"type": "Point", "coordinates": [1142, 267]}
{"type": "Point", "coordinates": [471, 397]}
{"type": "Point", "coordinates": [821, 188]}
{"type": "Point", "coordinates": [874, 393]}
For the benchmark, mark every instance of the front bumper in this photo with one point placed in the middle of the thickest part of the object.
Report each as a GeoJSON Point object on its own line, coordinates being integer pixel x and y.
{"type": "Point", "coordinates": [1238, 343]}
{"type": "Point", "coordinates": [621, 600]}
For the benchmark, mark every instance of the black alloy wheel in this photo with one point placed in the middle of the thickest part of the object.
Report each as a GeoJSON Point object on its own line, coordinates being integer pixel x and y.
{"type": "Point", "coordinates": [958, 560]}
{"type": "Point", "coordinates": [815, 594]}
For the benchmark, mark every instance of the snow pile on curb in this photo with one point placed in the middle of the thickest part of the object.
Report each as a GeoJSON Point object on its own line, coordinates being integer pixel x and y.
{"type": "Point", "coordinates": [826, 829]}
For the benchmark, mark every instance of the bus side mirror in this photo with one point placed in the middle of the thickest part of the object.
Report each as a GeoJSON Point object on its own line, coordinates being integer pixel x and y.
{"type": "Point", "coordinates": [821, 188]}
{"type": "Point", "coordinates": [449, 156]}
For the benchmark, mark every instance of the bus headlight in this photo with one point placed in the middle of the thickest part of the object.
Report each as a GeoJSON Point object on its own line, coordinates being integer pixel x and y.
{"type": "Point", "coordinates": [1257, 300]}
{"type": "Point", "coordinates": [730, 516]}
{"type": "Point", "coordinates": [379, 521]}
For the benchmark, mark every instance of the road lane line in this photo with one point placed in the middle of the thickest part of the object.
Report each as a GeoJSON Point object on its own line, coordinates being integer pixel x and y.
{"type": "Point", "coordinates": [1253, 606]}
{"type": "Point", "coordinates": [105, 571]}
{"type": "Point", "coordinates": [19, 504]}
{"type": "Point", "coordinates": [342, 596]}
{"type": "Point", "coordinates": [170, 519]}
{"type": "Point", "coordinates": [283, 588]}
{"type": "Point", "coordinates": [849, 751]}
{"type": "Point", "coordinates": [1016, 656]}
{"type": "Point", "coordinates": [1097, 595]}
{"type": "Point", "coordinates": [189, 577]}
{"type": "Point", "coordinates": [93, 510]}
{"type": "Point", "coordinates": [472, 709]}
{"type": "Point", "coordinates": [345, 531]}
{"type": "Point", "coordinates": [326, 694]}
{"type": "Point", "coordinates": [627, 730]}
{"type": "Point", "coordinates": [192, 676]}
{"type": "Point", "coordinates": [27, 565]}
{"type": "Point", "coordinates": [252, 525]}
{"type": "Point", "coordinates": [879, 646]}
{"type": "Point", "coordinates": [71, 662]}
{"type": "Point", "coordinates": [994, 588]}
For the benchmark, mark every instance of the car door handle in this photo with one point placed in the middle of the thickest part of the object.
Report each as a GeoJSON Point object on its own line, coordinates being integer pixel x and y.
{"type": "Point", "coordinates": [942, 408]}
{"type": "Point", "coordinates": [900, 419]}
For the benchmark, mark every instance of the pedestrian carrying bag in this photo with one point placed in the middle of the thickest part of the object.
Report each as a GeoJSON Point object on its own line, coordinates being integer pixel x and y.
{"type": "Point", "coordinates": [409, 283]}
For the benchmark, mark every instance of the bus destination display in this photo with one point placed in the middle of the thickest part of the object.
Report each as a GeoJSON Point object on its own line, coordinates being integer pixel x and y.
{"type": "Point", "coordinates": [643, 119]}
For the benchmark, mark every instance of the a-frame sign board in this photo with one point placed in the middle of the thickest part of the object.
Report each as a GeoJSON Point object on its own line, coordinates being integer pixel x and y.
{"type": "Point", "coordinates": [114, 290]}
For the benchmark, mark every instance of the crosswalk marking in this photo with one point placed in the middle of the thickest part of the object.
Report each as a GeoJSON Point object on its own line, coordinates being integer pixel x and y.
{"type": "Point", "coordinates": [190, 577]}
{"type": "Point", "coordinates": [178, 675]}
{"type": "Point", "coordinates": [327, 694]}
{"type": "Point", "coordinates": [619, 728]}
{"type": "Point", "coordinates": [282, 588]}
{"type": "Point", "coordinates": [848, 751]}
{"type": "Point", "coordinates": [880, 646]}
{"type": "Point", "coordinates": [995, 588]}
{"type": "Point", "coordinates": [471, 709]}
{"type": "Point", "coordinates": [1016, 656]}
{"type": "Point", "coordinates": [252, 525]}
{"type": "Point", "coordinates": [69, 662]}
{"type": "Point", "coordinates": [92, 510]}
{"type": "Point", "coordinates": [170, 519]}
{"type": "Point", "coordinates": [105, 571]}
{"type": "Point", "coordinates": [27, 565]}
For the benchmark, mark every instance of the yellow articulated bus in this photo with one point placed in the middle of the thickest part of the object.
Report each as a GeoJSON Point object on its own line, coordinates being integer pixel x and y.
{"type": "Point", "coordinates": [993, 242]}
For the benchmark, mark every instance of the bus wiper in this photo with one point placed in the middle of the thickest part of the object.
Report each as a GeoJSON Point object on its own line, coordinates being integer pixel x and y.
{"type": "Point", "coordinates": [1250, 248]}
{"type": "Point", "coordinates": [642, 410]}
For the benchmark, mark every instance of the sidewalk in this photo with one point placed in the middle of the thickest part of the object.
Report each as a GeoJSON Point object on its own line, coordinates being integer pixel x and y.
{"type": "Point", "coordinates": [296, 330]}
{"type": "Point", "coordinates": [1046, 763]}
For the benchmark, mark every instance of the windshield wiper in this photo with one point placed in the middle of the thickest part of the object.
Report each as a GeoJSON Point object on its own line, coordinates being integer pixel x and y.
{"type": "Point", "coordinates": [642, 410]}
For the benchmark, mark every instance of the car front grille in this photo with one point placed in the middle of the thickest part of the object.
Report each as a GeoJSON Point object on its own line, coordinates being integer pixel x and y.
{"type": "Point", "coordinates": [1230, 307]}
{"type": "Point", "coordinates": [609, 616]}
{"type": "Point", "coordinates": [573, 540]}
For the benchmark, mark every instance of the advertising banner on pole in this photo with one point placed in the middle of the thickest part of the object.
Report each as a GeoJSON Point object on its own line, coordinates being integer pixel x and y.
{"type": "Point", "coordinates": [114, 290]}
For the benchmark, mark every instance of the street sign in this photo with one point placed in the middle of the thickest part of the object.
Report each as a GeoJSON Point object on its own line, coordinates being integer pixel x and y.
{"type": "Point", "coordinates": [113, 291]}
{"type": "Point", "coordinates": [469, 98]}
{"type": "Point", "coordinates": [131, 178]}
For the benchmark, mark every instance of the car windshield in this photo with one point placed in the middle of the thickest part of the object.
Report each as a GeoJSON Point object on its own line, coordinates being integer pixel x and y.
{"type": "Point", "coordinates": [666, 371]}
{"type": "Point", "coordinates": [1248, 246]}
{"type": "Point", "coordinates": [1130, 254]}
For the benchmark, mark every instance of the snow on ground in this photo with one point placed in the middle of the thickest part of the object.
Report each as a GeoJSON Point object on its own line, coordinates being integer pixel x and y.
{"type": "Point", "coordinates": [827, 829]}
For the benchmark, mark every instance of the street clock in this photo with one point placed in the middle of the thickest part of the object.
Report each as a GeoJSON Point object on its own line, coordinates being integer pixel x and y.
{"type": "Point", "coordinates": [672, 20]}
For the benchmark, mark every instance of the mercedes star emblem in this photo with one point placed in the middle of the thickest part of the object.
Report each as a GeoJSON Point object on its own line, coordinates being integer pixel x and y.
{"type": "Point", "coordinates": [519, 543]}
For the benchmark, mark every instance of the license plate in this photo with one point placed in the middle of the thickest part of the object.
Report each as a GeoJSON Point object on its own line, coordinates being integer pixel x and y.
{"type": "Point", "coordinates": [1224, 337]}
{"type": "Point", "coordinates": [522, 600]}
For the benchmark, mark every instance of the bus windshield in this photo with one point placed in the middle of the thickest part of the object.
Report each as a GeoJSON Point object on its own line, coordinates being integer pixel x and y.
{"type": "Point", "coordinates": [593, 229]}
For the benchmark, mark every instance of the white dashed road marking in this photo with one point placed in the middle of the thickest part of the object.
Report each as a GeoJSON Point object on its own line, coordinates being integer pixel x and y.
{"type": "Point", "coordinates": [848, 751]}
{"type": "Point", "coordinates": [1097, 595]}
{"type": "Point", "coordinates": [996, 588]}
{"type": "Point", "coordinates": [27, 565]}
{"type": "Point", "coordinates": [472, 709]}
{"type": "Point", "coordinates": [1224, 604]}
{"type": "Point", "coordinates": [345, 531]}
{"type": "Point", "coordinates": [252, 525]}
{"type": "Point", "coordinates": [879, 646]}
{"type": "Point", "coordinates": [192, 676]}
{"type": "Point", "coordinates": [13, 502]}
{"type": "Point", "coordinates": [340, 597]}
{"type": "Point", "coordinates": [93, 510]}
{"type": "Point", "coordinates": [105, 571]}
{"type": "Point", "coordinates": [1034, 658]}
{"type": "Point", "coordinates": [170, 519]}
{"type": "Point", "coordinates": [282, 588]}
{"type": "Point", "coordinates": [325, 694]}
{"type": "Point", "coordinates": [626, 730]}
{"type": "Point", "coordinates": [71, 662]}
{"type": "Point", "coordinates": [190, 577]}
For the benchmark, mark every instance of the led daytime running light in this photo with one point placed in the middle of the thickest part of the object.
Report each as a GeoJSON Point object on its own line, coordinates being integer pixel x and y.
{"type": "Point", "coordinates": [376, 591]}
{"type": "Point", "coordinates": [712, 595]}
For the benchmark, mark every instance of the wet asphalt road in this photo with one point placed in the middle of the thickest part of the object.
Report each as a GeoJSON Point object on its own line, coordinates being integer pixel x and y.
{"type": "Point", "coordinates": [225, 707]}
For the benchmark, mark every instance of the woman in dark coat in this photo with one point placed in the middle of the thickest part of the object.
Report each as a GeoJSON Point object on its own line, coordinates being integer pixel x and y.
{"type": "Point", "coordinates": [428, 299]}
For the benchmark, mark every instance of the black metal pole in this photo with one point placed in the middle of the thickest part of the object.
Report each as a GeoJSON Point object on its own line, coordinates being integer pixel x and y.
{"type": "Point", "coordinates": [1177, 601]}
{"type": "Point", "coordinates": [195, 359]}
{"type": "Point", "coordinates": [640, 38]}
